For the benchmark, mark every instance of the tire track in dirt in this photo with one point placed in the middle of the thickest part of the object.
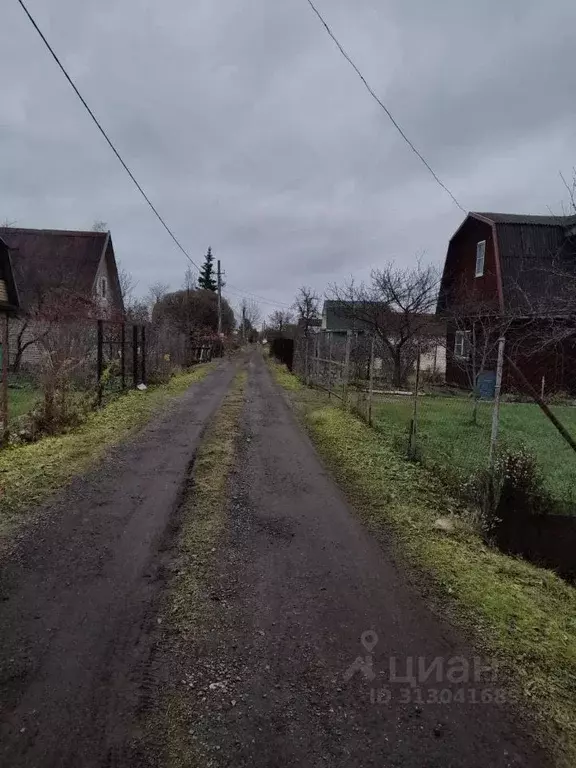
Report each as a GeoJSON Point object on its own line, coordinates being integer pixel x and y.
{"type": "Point", "coordinates": [78, 596]}
{"type": "Point", "coordinates": [301, 582]}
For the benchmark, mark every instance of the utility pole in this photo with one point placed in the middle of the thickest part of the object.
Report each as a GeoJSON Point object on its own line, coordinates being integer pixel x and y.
{"type": "Point", "coordinates": [5, 430]}
{"type": "Point", "coordinates": [219, 299]}
{"type": "Point", "coordinates": [496, 408]}
{"type": "Point", "coordinates": [243, 323]}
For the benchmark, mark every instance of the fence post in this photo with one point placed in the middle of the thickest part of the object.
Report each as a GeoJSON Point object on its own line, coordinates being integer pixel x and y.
{"type": "Point", "coordinates": [496, 408]}
{"type": "Point", "coordinates": [371, 381]}
{"type": "Point", "coordinates": [316, 359]}
{"type": "Point", "coordinates": [99, 359]}
{"type": "Point", "coordinates": [5, 353]}
{"type": "Point", "coordinates": [135, 355]}
{"type": "Point", "coordinates": [143, 334]}
{"type": "Point", "coordinates": [414, 421]}
{"type": "Point", "coordinates": [329, 364]}
{"type": "Point", "coordinates": [123, 355]}
{"type": "Point", "coordinates": [346, 370]}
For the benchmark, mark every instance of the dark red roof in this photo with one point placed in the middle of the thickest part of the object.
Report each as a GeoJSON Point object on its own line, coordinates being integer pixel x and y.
{"type": "Point", "coordinates": [537, 258]}
{"type": "Point", "coordinates": [527, 219]}
{"type": "Point", "coordinates": [58, 261]}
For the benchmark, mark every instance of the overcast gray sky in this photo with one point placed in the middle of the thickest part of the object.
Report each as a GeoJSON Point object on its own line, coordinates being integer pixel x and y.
{"type": "Point", "coordinates": [252, 134]}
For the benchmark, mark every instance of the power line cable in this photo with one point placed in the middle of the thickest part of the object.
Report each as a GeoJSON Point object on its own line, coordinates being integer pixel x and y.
{"type": "Point", "coordinates": [243, 295]}
{"type": "Point", "coordinates": [121, 160]}
{"type": "Point", "coordinates": [384, 107]}
{"type": "Point", "coordinates": [247, 294]}
{"type": "Point", "coordinates": [113, 148]}
{"type": "Point", "coordinates": [103, 132]}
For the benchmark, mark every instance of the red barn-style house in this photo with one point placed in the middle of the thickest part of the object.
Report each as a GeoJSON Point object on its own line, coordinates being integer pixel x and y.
{"type": "Point", "coordinates": [513, 276]}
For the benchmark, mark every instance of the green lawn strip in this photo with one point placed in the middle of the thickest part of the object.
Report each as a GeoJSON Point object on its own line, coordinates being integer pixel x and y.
{"type": "Point", "coordinates": [448, 440]}
{"type": "Point", "coordinates": [21, 400]}
{"type": "Point", "coordinates": [189, 610]}
{"type": "Point", "coordinates": [523, 615]}
{"type": "Point", "coordinates": [30, 473]}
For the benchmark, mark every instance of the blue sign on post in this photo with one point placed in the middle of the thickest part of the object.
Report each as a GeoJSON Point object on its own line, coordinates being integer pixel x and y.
{"type": "Point", "coordinates": [486, 385]}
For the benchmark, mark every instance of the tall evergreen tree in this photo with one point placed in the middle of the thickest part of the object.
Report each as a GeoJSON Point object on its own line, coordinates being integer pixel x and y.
{"type": "Point", "coordinates": [206, 277]}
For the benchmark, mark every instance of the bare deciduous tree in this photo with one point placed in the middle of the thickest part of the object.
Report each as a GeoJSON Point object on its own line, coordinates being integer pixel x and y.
{"type": "Point", "coordinates": [156, 292]}
{"type": "Point", "coordinates": [190, 279]}
{"type": "Point", "coordinates": [476, 327]}
{"type": "Point", "coordinates": [99, 226]}
{"type": "Point", "coordinates": [280, 319]}
{"type": "Point", "coordinates": [250, 310]}
{"type": "Point", "coordinates": [127, 286]}
{"type": "Point", "coordinates": [307, 308]}
{"type": "Point", "coordinates": [396, 305]}
{"type": "Point", "coordinates": [52, 295]}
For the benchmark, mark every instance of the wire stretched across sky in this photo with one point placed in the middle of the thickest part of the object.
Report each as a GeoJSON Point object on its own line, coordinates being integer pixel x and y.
{"type": "Point", "coordinates": [139, 186]}
{"type": "Point", "coordinates": [248, 295]}
{"type": "Point", "coordinates": [103, 132]}
{"type": "Point", "coordinates": [382, 105]}
{"type": "Point", "coordinates": [244, 294]}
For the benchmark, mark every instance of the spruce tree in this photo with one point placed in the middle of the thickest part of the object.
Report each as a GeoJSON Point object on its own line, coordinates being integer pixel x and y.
{"type": "Point", "coordinates": [206, 277]}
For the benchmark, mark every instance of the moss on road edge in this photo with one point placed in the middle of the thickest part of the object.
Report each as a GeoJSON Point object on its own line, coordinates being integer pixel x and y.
{"type": "Point", "coordinates": [520, 614]}
{"type": "Point", "coordinates": [189, 610]}
{"type": "Point", "coordinates": [30, 473]}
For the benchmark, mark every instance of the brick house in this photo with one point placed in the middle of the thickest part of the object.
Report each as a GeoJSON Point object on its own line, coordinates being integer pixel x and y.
{"type": "Point", "coordinates": [61, 277]}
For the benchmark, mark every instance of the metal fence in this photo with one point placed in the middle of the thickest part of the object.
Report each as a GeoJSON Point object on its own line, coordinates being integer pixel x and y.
{"type": "Point", "coordinates": [130, 354]}
{"type": "Point", "coordinates": [96, 356]}
{"type": "Point", "coordinates": [457, 433]}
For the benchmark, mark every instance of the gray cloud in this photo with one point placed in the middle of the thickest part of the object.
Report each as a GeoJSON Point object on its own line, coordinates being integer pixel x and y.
{"type": "Point", "coordinates": [253, 135]}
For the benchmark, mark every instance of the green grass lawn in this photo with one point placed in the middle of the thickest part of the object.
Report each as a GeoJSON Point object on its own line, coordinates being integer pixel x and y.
{"type": "Point", "coordinates": [21, 400]}
{"type": "Point", "coordinates": [448, 440]}
{"type": "Point", "coordinates": [29, 473]}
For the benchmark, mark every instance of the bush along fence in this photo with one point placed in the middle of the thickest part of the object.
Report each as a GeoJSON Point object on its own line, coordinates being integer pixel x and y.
{"type": "Point", "coordinates": [73, 367]}
{"type": "Point", "coordinates": [509, 454]}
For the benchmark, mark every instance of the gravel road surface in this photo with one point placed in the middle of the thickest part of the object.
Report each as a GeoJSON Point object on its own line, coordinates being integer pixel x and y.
{"type": "Point", "coordinates": [315, 617]}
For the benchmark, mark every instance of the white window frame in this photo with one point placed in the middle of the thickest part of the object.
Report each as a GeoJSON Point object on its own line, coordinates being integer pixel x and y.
{"type": "Point", "coordinates": [462, 345]}
{"type": "Point", "coordinates": [480, 258]}
{"type": "Point", "coordinates": [103, 287]}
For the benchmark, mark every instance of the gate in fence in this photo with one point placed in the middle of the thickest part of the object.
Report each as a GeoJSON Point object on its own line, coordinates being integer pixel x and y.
{"type": "Point", "coordinates": [121, 357]}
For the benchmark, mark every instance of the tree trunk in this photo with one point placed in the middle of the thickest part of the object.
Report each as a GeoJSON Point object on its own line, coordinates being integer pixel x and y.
{"type": "Point", "coordinates": [475, 409]}
{"type": "Point", "coordinates": [398, 377]}
{"type": "Point", "coordinates": [17, 360]}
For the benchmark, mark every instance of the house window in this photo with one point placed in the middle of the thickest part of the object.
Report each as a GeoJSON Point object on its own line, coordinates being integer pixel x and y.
{"type": "Point", "coordinates": [103, 286]}
{"type": "Point", "coordinates": [461, 344]}
{"type": "Point", "coordinates": [480, 256]}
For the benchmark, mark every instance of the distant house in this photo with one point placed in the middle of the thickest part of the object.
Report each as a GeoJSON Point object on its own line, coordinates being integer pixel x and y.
{"type": "Point", "coordinates": [519, 273]}
{"type": "Point", "coordinates": [60, 276]}
{"type": "Point", "coordinates": [338, 317]}
{"type": "Point", "coordinates": [312, 325]}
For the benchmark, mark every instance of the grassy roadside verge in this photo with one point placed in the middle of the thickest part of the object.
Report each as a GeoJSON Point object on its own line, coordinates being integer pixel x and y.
{"type": "Point", "coordinates": [190, 613]}
{"type": "Point", "coordinates": [30, 473]}
{"type": "Point", "coordinates": [522, 615]}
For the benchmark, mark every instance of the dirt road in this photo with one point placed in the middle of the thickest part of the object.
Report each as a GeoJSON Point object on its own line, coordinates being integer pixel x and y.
{"type": "Point", "coordinates": [275, 681]}
{"type": "Point", "coordinates": [310, 618]}
{"type": "Point", "coordinates": [77, 597]}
